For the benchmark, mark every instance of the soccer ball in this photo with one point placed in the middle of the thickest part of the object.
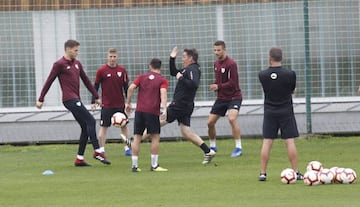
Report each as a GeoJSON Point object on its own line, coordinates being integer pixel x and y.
{"type": "Point", "coordinates": [288, 176]}
{"type": "Point", "coordinates": [314, 166]}
{"type": "Point", "coordinates": [311, 178]}
{"type": "Point", "coordinates": [326, 176]}
{"type": "Point", "coordinates": [338, 178]}
{"type": "Point", "coordinates": [348, 176]}
{"type": "Point", "coordinates": [333, 170]}
{"type": "Point", "coordinates": [119, 119]}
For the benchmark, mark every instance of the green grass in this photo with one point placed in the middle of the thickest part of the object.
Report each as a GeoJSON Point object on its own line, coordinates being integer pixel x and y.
{"type": "Point", "coordinates": [225, 182]}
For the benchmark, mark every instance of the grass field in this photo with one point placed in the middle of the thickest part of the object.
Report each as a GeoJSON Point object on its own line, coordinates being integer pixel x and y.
{"type": "Point", "coordinates": [225, 182]}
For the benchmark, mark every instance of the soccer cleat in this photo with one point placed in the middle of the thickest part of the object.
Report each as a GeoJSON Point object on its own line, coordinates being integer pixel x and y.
{"type": "Point", "coordinates": [81, 163]}
{"type": "Point", "coordinates": [237, 152]}
{"type": "Point", "coordinates": [262, 177]}
{"type": "Point", "coordinates": [128, 152]}
{"type": "Point", "coordinates": [135, 169]}
{"type": "Point", "coordinates": [299, 176]}
{"type": "Point", "coordinates": [208, 157]}
{"type": "Point", "coordinates": [101, 157]}
{"type": "Point", "coordinates": [158, 169]}
{"type": "Point", "coordinates": [214, 148]}
{"type": "Point", "coordinates": [126, 140]}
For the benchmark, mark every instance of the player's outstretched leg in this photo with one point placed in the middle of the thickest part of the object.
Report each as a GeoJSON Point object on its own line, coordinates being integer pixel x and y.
{"type": "Point", "coordinates": [208, 157]}
{"type": "Point", "coordinates": [101, 157]}
{"type": "Point", "coordinates": [126, 140]}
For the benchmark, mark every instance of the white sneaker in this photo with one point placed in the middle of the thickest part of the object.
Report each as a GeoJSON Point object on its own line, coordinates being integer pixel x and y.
{"type": "Point", "coordinates": [208, 157]}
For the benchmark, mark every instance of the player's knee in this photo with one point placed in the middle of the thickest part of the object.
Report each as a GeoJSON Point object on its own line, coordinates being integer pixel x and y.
{"type": "Point", "coordinates": [185, 131]}
{"type": "Point", "coordinates": [232, 120]}
{"type": "Point", "coordinates": [211, 124]}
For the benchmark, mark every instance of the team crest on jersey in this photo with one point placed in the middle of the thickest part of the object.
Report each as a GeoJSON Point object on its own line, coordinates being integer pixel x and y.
{"type": "Point", "coordinates": [68, 67]}
{"type": "Point", "coordinates": [273, 76]}
{"type": "Point", "coordinates": [76, 66]}
{"type": "Point", "coordinates": [119, 74]}
{"type": "Point", "coordinates": [222, 70]}
{"type": "Point", "coordinates": [108, 75]}
{"type": "Point", "coordinates": [151, 77]}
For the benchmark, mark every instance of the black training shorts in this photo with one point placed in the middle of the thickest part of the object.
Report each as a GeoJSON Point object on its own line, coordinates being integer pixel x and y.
{"type": "Point", "coordinates": [180, 112]}
{"type": "Point", "coordinates": [147, 121]}
{"type": "Point", "coordinates": [285, 122]}
{"type": "Point", "coordinates": [220, 107]}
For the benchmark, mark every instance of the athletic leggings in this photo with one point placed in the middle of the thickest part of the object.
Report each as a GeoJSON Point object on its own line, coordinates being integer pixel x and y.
{"type": "Point", "coordinates": [86, 122]}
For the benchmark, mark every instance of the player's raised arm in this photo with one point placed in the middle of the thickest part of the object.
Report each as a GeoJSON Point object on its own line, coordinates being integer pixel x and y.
{"type": "Point", "coordinates": [173, 54]}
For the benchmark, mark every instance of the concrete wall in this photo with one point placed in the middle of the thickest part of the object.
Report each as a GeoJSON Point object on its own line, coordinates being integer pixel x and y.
{"type": "Point", "coordinates": [329, 116]}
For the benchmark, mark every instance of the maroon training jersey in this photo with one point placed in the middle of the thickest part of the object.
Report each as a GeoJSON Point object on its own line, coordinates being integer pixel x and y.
{"type": "Point", "coordinates": [69, 73]}
{"type": "Point", "coordinates": [149, 98]}
{"type": "Point", "coordinates": [227, 79]}
{"type": "Point", "coordinates": [112, 81]}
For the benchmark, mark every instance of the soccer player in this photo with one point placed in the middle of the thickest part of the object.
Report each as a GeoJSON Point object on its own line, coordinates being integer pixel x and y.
{"type": "Point", "coordinates": [69, 71]}
{"type": "Point", "coordinates": [182, 105]}
{"type": "Point", "coordinates": [278, 84]}
{"type": "Point", "coordinates": [152, 95]}
{"type": "Point", "coordinates": [228, 99]}
{"type": "Point", "coordinates": [114, 82]}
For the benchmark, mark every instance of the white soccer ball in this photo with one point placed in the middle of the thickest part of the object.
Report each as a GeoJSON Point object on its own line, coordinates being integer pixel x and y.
{"type": "Point", "coordinates": [333, 169]}
{"type": "Point", "coordinates": [288, 176]}
{"type": "Point", "coordinates": [338, 178]}
{"type": "Point", "coordinates": [314, 166]}
{"type": "Point", "coordinates": [119, 119]}
{"type": "Point", "coordinates": [326, 176]}
{"type": "Point", "coordinates": [311, 178]}
{"type": "Point", "coordinates": [348, 176]}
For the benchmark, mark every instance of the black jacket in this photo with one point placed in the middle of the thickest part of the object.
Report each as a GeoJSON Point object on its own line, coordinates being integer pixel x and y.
{"type": "Point", "coordinates": [187, 85]}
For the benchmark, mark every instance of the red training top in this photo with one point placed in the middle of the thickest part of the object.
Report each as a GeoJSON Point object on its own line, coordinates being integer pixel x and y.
{"type": "Point", "coordinates": [112, 81]}
{"type": "Point", "coordinates": [227, 79]}
{"type": "Point", "coordinates": [149, 98]}
{"type": "Point", "coordinates": [68, 73]}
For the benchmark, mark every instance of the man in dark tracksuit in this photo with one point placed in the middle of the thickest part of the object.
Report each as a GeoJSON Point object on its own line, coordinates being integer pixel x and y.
{"type": "Point", "coordinates": [182, 106]}
{"type": "Point", "coordinates": [278, 85]}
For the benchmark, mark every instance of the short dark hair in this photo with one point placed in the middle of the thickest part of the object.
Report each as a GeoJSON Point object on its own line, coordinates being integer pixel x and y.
{"type": "Point", "coordinates": [71, 44]}
{"type": "Point", "coordinates": [155, 63]}
{"type": "Point", "coordinates": [220, 43]}
{"type": "Point", "coordinates": [276, 54]}
{"type": "Point", "coordinates": [192, 53]}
